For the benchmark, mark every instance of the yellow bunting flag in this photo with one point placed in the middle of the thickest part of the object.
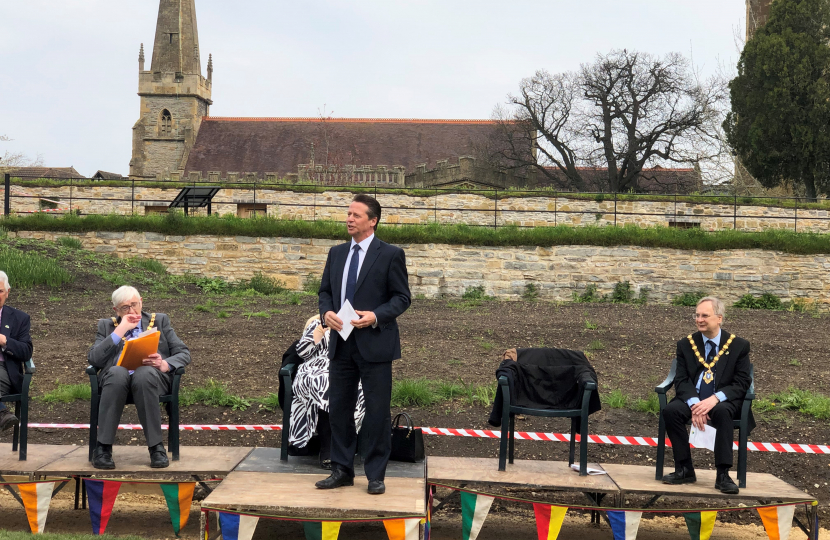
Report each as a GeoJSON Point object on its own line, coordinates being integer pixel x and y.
{"type": "Point", "coordinates": [777, 520]}
{"type": "Point", "coordinates": [36, 498]}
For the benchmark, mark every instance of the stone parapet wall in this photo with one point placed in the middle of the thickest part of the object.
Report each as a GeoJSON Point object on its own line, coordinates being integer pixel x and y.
{"type": "Point", "coordinates": [436, 269]}
{"type": "Point", "coordinates": [469, 208]}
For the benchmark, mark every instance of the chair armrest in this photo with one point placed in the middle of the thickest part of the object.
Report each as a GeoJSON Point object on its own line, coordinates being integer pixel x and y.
{"type": "Point", "coordinates": [664, 386]}
{"type": "Point", "coordinates": [179, 371]}
{"type": "Point", "coordinates": [29, 367]}
{"type": "Point", "coordinates": [503, 381]}
{"type": "Point", "coordinates": [750, 394]}
{"type": "Point", "coordinates": [288, 370]}
{"type": "Point", "coordinates": [91, 370]}
{"type": "Point", "coordinates": [588, 385]}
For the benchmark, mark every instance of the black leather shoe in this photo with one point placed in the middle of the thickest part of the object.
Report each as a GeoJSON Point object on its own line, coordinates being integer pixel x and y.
{"type": "Point", "coordinates": [683, 476]}
{"type": "Point", "coordinates": [102, 458]}
{"type": "Point", "coordinates": [725, 484]}
{"type": "Point", "coordinates": [376, 487]}
{"type": "Point", "coordinates": [158, 457]}
{"type": "Point", "coordinates": [7, 420]}
{"type": "Point", "coordinates": [337, 479]}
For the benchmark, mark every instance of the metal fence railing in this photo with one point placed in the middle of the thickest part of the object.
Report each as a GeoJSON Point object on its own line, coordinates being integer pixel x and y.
{"type": "Point", "coordinates": [488, 207]}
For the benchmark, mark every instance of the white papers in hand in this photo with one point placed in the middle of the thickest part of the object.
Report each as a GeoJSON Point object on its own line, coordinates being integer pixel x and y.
{"type": "Point", "coordinates": [347, 315]}
{"type": "Point", "coordinates": [703, 439]}
{"type": "Point", "coordinates": [591, 470]}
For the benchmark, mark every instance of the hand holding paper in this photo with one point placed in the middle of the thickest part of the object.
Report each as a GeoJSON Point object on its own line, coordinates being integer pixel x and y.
{"type": "Point", "coordinates": [703, 438]}
{"type": "Point", "coordinates": [347, 314]}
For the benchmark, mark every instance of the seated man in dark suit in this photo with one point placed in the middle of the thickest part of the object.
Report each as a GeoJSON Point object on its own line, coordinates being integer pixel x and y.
{"type": "Point", "coordinates": [146, 384]}
{"type": "Point", "coordinates": [712, 379]}
{"type": "Point", "coordinates": [16, 348]}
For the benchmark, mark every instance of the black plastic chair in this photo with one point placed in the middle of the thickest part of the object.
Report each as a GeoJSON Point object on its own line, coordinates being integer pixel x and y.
{"type": "Point", "coordinates": [741, 424]}
{"type": "Point", "coordinates": [170, 400]}
{"type": "Point", "coordinates": [21, 410]}
{"type": "Point", "coordinates": [287, 373]}
{"type": "Point", "coordinates": [577, 416]}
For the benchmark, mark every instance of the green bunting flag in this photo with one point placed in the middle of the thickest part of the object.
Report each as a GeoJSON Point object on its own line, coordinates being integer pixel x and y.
{"type": "Point", "coordinates": [474, 510]}
{"type": "Point", "coordinates": [178, 497]}
{"type": "Point", "coordinates": [321, 530]}
{"type": "Point", "coordinates": [700, 524]}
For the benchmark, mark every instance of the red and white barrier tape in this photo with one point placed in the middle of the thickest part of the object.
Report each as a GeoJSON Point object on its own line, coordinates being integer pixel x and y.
{"type": "Point", "coordinates": [489, 434]}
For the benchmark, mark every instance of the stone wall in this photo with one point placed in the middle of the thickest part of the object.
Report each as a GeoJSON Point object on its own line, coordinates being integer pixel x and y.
{"type": "Point", "coordinates": [467, 208]}
{"type": "Point", "coordinates": [436, 269]}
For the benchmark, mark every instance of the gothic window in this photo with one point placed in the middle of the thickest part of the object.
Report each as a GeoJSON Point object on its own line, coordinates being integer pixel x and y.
{"type": "Point", "coordinates": [166, 125]}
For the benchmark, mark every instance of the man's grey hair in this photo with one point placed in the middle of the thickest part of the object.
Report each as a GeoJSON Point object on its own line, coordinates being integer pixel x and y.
{"type": "Point", "coordinates": [4, 280]}
{"type": "Point", "coordinates": [123, 293]}
{"type": "Point", "coordinates": [717, 305]}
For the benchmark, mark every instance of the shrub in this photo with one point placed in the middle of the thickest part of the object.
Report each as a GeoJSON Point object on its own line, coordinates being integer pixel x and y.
{"type": "Point", "coordinates": [643, 298]}
{"type": "Point", "coordinates": [650, 405]}
{"type": "Point", "coordinates": [264, 285]}
{"type": "Point", "coordinates": [149, 264]}
{"type": "Point", "coordinates": [689, 299]}
{"type": "Point", "coordinates": [622, 293]}
{"type": "Point", "coordinates": [69, 242]}
{"type": "Point", "coordinates": [766, 301]}
{"type": "Point", "coordinates": [311, 284]}
{"type": "Point", "coordinates": [590, 295]}
{"type": "Point", "coordinates": [615, 399]}
{"type": "Point", "coordinates": [531, 292]}
{"type": "Point", "coordinates": [474, 293]}
{"type": "Point", "coordinates": [412, 393]}
{"type": "Point", "coordinates": [212, 285]}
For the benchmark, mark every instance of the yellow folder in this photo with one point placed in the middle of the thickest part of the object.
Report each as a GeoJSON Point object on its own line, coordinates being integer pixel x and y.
{"type": "Point", "coordinates": [139, 348]}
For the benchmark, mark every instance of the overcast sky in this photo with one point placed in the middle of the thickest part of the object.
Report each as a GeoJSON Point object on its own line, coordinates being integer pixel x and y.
{"type": "Point", "coordinates": [70, 67]}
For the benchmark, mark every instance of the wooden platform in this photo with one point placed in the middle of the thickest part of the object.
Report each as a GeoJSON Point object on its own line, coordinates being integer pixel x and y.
{"type": "Point", "coordinates": [135, 460]}
{"type": "Point", "coordinates": [38, 455]}
{"type": "Point", "coordinates": [268, 460]}
{"type": "Point", "coordinates": [759, 486]}
{"type": "Point", "coordinates": [548, 474]}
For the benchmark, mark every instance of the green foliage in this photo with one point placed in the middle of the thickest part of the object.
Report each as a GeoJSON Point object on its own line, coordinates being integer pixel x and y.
{"type": "Point", "coordinates": [688, 299]}
{"type": "Point", "coordinates": [26, 535]}
{"type": "Point", "coordinates": [590, 295]}
{"type": "Point", "coordinates": [474, 293]}
{"type": "Point", "coordinates": [781, 98]}
{"type": "Point", "coordinates": [28, 268]}
{"type": "Point", "coordinates": [449, 390]}
{"type": "Point", "coordinates": [257, 314]}
{"type": "Point", "coordinates": [67, 393]}
{"type": "Point", "coordinates": [642, 299]}
{"type": "Point", "coordinates": [596, 345]}
{"type": "Point", "coordinates": [311, 285]}
{"type": "Point", "coordinates": [482, 394]}
{"type": "Point", "coordinates": [202, 308]}
{"type": "Point", "coordinates": [151, 265]}
{"type": "Point", "coordinates": [412, 393]}
{"type": "Point", "coordinates": [622, 293]}
{"type": "Point", "coordinates": [615, 399]}
{"type": "Point", "coordinates": [69, 242]}
{"type": "Point", "coordinates": [213, 285]}
{"type": "Point", "coordinates": [803, 401]}
{"type": "Point", "coordinates": [766, 301]}
{"type": "Point", "coordinates": [531, 292]}
{"type": "Point", "coordinates": [650, 405]}
{"type": "Point", "coordinates": [213, 394]}
{"type": "Point", "coordinates": [590, 325]}
{"type": "Point", "coordinates": [263, 284]}
{"type": "Point", "coordinates": [271, 402]}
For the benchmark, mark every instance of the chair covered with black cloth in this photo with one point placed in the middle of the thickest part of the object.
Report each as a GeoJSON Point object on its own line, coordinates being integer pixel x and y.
{"type": "Point", "coordinates": [285, 393]}
{"type": "Point", "coordinates": [546, 382]}
{"type": "Point", "coordinates": [21, 410]}
{"type": "Point", "coordinates": [171, 403]}
{"type": "Point", "coordinates": [741, 423]}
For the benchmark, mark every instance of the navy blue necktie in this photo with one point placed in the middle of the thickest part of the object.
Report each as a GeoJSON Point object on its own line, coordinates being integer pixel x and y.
{"type": "Point", "coordinates": [351, 279]}
{"type": "Point", "coordinates": [707, 390]}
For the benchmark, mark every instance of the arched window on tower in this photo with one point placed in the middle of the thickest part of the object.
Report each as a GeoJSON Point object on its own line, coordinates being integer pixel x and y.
{"type": "Point", "coordinates": [166, 124]}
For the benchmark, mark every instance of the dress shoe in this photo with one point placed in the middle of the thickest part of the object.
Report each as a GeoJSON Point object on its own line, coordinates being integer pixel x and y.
{"type": "Point", "coordinates": [102, 457]}
{"type": "Point", "coordinates": [325, 463]}
{"type": "Point", "coordinates": [725, 484]}
{"type": "Point", "coordinates": [158, 457]}
{"type": "Point", "coordinates": [377, 487]}
{"type": "Point", "coordinates": [682, 476]}
{"type": "Point", "coordinates": [7, 420]}
{"type": "Point", "coordinates": [337, 479]}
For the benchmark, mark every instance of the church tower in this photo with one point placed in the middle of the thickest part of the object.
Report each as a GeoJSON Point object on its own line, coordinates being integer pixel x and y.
{"type": "Point", "coordinates": [174, 95]}
{"type": "Point", "coordinates": [757, 13]}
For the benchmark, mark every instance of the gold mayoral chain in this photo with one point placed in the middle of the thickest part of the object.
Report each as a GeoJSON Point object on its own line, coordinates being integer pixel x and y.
{"type": "Point", "coordinates": [149, 326]}
{"type": "Point", "coordinates": [709, 376]}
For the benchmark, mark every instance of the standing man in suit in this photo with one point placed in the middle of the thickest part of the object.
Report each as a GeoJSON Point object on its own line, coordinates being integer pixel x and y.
{"type": "Point", "coordinates": [146, 384]}
{"type": "Point", "coordinates": [372, 276]}
{"type": "Point", "coordinates": [713, 376]}
{"type": "Point", "coordinates": [16, 348]}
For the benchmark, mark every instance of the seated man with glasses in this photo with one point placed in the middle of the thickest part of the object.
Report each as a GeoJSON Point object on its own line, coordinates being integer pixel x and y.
{"type": "Point", "coordinates": [713, 376]}
{"type": "Point", "coordinates": [146, 384]}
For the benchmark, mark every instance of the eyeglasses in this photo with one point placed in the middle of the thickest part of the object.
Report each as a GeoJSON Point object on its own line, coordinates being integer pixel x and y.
{"type": "Point", "coordinates": [697, 316]}
{"type": "Point", "coordinates": [128, 307]}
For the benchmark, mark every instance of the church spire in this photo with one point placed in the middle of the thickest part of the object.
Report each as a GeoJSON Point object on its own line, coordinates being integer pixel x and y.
{"type": "Point", "coordinates": [141, 58]}
{"type": "Point", "coordinates": [176, 48]}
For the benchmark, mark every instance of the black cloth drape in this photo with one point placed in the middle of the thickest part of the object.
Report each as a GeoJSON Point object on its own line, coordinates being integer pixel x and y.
{"type": "Point", "coordinates": [545, 378]}
{"type": "Point", "coordinates": [290, 356]}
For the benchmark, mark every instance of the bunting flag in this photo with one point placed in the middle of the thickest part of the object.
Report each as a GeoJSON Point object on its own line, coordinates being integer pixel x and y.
{"type": "Point", "coordinates": [101, 495]}
{"type": "Point", "coordinates": [549, 520]}
{"type": "Point", "coordinates": [321, 530]}
{"type": "Point", "coordinates": [36, 498]}
{"type": "Point", "coordinates": [178, 496]}
{"type": "Point", "coordinates": [428, 519]}
{"type": "Point", "coordinates": [236, 527]}
{"type": "Point", "coordinates": [700, 524]}
{"type": "Point", "coordinates": [624, 525]}
{"type": "Point", "coordinates": [474, 510]}
{"type": "Point", "coordinates": [403, 529]}
{"type": "Point", "coordinates": [778, 521]}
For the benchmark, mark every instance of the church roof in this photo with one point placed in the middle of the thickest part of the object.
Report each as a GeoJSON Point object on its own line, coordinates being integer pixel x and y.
{"type": "Point", "coordinates": [176, 47]}
{"type": "Point", "coordinates": [43, 172]}
{"type": "Point", "coordinates": [104, 175]}
{"type": "Point", "coordinates": [279, 145]}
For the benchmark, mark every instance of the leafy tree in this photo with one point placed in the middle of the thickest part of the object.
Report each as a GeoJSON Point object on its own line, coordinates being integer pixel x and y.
{"type": "Point", "coordinates": [780, 99]}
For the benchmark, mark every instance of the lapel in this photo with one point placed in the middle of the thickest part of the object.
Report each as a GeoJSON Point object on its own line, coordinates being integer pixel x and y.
{"type": "Point", "coordinates": [701, 348]}
{"type": "Point", "coordinates": [338, 267]}
{"type": "Point", "coordinates": [724, 337]}
{"type": "Point", "coordinates": [6, 322]}
{"type": "Point", "coordinates": [371, 256]}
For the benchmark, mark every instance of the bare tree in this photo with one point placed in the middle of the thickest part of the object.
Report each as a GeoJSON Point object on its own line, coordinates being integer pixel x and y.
{"type": "Point", "coordinates": [18, 159]}
{"type": "Point", "coordinates": [622, 113]}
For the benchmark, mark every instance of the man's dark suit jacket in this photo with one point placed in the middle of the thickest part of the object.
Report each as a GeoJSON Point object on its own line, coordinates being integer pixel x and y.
{"type": "Point", "coordinates": [104, 353]}
{"type": "Point", "coordinates": [732, 376]}
{"type": "Point", "coordinates": [382, 287]}
{"type": "Point", "coordinates": [15, 324]}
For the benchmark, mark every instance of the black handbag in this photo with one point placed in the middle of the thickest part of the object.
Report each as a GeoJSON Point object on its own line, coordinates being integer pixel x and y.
{"type": "Point", "coordinates": [407, 441]}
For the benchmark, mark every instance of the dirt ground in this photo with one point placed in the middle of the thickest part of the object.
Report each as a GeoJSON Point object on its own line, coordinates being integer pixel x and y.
{"type": "Point", "coordinates": [447, 340]}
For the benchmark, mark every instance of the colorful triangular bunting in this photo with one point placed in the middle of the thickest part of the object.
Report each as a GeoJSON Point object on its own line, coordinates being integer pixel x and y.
{"type": "Point", "coordinates": [428, 519]}
{"type": "Point", "coordinates": [474, 510]}
{"type": "Point", "coordinates": [178, 496]}
{"type": "Point", "coordinates": [237, 527]}
{"type": "Point", "coordinates": [624, 525]}
{"type": "Point", "coordinates": [700, 524]}
{"type": "Point", "coordinates": [549, 520]}
{"type": "Point", "coordinates": [101, 495]}
{"type": "Point", "coordinates": [36, 499]}
{"type": "Point", "coordinates": [403, 529]}
{"type": "Point", "coordinates": [321, 530]}
{"type": "Point", "coordinates": [777, 520]}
